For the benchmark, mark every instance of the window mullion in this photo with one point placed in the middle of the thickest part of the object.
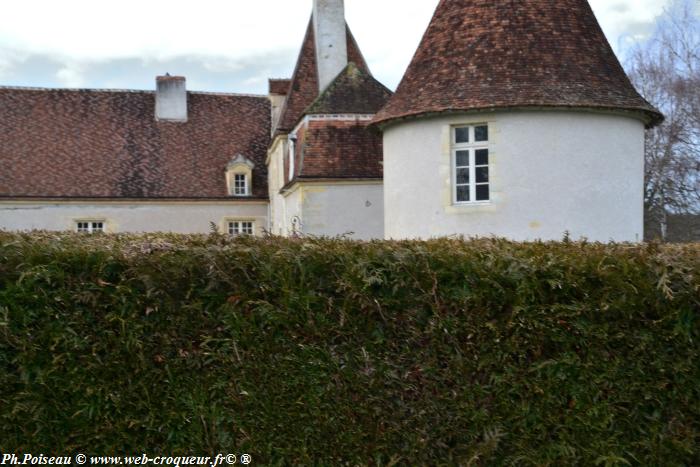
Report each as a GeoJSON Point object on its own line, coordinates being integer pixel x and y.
{"type": "Point", "coordinates": [472, 175]}
{"type": "Point", "coordinates": [454, 174]}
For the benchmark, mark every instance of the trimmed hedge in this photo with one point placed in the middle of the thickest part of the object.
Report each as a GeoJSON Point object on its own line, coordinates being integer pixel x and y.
{"type": "Point", "coordinates": [335, 352]}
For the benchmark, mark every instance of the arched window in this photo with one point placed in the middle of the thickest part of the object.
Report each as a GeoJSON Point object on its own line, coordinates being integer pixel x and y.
{"type": "Point", "coordinates": [239, 176]}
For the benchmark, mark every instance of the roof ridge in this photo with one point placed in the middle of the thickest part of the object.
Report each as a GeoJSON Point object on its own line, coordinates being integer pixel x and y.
{"type": "Point", "coordinates": [230, 94]}
{"type": "Point", "coordinates": [114, 90]}
{"type": "Point", "coordinates": [40, 88]}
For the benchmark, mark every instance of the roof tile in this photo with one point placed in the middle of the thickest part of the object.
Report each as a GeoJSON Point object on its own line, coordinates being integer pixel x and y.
{"type": "Point", "coordinates": [486, 54]}
{"type": "Point", "coordinates": [339, 149]}
{"type": "Point", "coordinates": [100, 144]}
{"type": "Point", "coordinates": [304, 88]}
{"type": "Point", "coordinates": [353, 92]}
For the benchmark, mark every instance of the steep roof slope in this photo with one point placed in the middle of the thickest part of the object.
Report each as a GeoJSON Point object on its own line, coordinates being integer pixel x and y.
{"type": "Point", "coordinates": [354, 91]}
{"type": "Point", "coordinates": [486, 54]}
{"type": "Point", "coordinates": [107, 144]}
{"type": "Point", "coordinates": [340, 149]}
{"type": "Point", "coordinates": [304, 88]}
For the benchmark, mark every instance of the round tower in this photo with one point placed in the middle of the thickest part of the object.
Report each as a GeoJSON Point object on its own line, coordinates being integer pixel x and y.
{"type": "Point", "coordinates": [515, 119]}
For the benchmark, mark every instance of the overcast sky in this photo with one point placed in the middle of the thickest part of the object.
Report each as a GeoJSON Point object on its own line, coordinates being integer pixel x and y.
{"type": "Point", "coordinates": [221, 45]}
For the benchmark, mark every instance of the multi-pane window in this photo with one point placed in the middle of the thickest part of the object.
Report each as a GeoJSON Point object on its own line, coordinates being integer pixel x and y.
{"type": "Point", "coordinates": [90, 226]}
{"type": "Point", "coordinates": [240, 185]}
{"type": "Point", "coordinates": [470, 163]}
{"type": "Point", "coordinates": [240, 228]}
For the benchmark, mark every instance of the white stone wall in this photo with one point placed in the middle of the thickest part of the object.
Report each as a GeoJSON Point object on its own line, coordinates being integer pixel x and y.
{"type": "Point", "coordinates": [178, 217]}
{"type": "Point", "coordinates": [293, 215]}
{"type": "Point", "coordinates": [275, 182]}
{"type": "Point", "coordinates": [354, 209]}
{"type": "Point", "coordinates": [551, 172]}
{"type": "Point", "coordinates": [323, 208]}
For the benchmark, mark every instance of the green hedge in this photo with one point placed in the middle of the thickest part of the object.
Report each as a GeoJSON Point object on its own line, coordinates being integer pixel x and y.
{"type": "Point", "coordinates": [333, 352]}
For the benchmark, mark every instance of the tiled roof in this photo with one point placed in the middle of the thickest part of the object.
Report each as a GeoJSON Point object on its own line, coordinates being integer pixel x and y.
{"type": "Point", "coordinates": [487, 54]}
{"type": "Point", "coordinates": [354, 91]}
{"type": "Point", "coordinates": [107, 144]}
{"type": "Point", "coordinates": [279, 86]}
{"type": "Point", "coordinates": [339, 149]}
{"type": "Point", "coordinates": [304, 88]}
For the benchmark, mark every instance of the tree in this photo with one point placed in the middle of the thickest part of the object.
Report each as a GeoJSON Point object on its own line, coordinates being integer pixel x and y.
{"type": "Point", "coordinates": [666, 70]}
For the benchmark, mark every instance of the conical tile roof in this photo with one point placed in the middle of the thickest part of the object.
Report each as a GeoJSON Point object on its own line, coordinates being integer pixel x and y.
{"type": "Point", "coordinates": [493, 54]}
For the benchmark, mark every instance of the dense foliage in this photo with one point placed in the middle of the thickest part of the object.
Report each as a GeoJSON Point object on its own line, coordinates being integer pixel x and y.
{"type": "Point", "coordinates": [335, 352]}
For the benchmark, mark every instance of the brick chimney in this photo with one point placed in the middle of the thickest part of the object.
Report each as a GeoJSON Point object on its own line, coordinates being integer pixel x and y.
{"type": "Point", "coordinates": [171, 98]}
{"type": "Point", "coordinates": [331, 40]}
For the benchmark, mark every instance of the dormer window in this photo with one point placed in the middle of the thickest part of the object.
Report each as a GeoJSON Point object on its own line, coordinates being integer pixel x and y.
{"type": "Point", "coordinates": [240, 185]}
{"type": "Point", "coordinates": [239, 176]}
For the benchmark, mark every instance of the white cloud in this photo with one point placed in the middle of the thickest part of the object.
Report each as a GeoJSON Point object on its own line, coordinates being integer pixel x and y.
{"type": "Point", "coordinates": [5, 66]}
{"type": "Point", "coordinates": [627, 21]}
{"type": "Point", "coordinates": [71, 76]}
{"type": "Point", "coordinates": [161, 29]}
{"type": "Point", "coordinates": [9, 61]}
{"type": "Point", "coordinates": [228, 36]}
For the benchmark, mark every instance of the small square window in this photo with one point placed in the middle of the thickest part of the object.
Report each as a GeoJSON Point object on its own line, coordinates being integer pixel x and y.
{"type": "Point", "coordinates": [482, 175]}
{"type": "Point", "coordinates": [240, 185]}
{"type": "Point", "coordinates": [481, 133]}
{"type": "Point", "coordinates": [240, 228]}
{"type": "Point", "coordinates": [482, 157]}
{"type": "Point", "coordinates": [462, 193]}
{"type": "Point", "coordinates": [462, 176]}
{"type": "Point", "coordinates": [462, 135]}
{"type": "Point", "coordinates": [462, 158]}
{"type": "Point", "coordinates": [90, 226]}
{"type": "Point", "coordinates": [482, 192]}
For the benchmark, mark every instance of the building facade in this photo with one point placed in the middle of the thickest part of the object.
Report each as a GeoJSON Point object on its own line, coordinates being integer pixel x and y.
{"type": "Point", "coordinates": [512, 120]}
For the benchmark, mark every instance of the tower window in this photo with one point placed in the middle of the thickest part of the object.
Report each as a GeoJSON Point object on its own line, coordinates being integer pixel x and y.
{"type": "Point", "coordinates": [470, 164]}
{"type": "Point", "coordinates": [240, 185]}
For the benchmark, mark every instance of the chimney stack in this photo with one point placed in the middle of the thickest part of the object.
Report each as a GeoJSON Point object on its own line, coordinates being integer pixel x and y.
{"type": "Point", "coordinates": [331, 40]}
{"type": "Point", "coordinates": [171, 98]}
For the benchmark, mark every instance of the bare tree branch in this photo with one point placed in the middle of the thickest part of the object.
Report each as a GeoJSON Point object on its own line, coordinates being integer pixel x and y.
{"type": "Point", "coordinates": [666, 70]}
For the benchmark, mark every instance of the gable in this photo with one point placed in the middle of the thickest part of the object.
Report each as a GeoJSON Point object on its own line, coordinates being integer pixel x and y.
{"type": "Point", "coordinates": [303, 89]}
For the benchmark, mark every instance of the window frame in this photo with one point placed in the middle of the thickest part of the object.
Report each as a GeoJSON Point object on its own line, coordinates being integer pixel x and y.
{"type": "Point", "coordinates": [239, 227]}
{"type": "Point", "coordinates": [292, 156]}
{"type": "Point", "coordinates": [245, 184]}
{"type": "Point", "coordinates": [472, 146]}
{"type": "Point", "coordinates": [240, 166]}
{"type": "Point", "coordinates": [91, 226]}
